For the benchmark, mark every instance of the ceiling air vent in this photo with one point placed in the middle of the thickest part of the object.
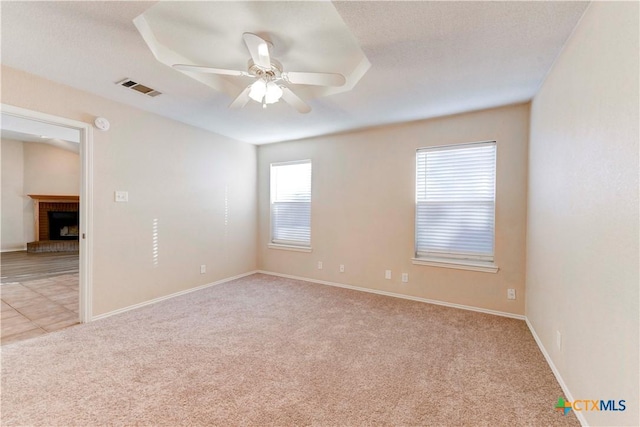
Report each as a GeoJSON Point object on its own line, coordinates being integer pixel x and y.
{"type": "Point", "coordinates": [128, 83]}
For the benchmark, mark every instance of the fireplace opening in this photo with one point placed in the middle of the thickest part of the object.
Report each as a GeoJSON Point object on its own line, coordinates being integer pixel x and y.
{"type": "Point", "coordinates": [63, 225]}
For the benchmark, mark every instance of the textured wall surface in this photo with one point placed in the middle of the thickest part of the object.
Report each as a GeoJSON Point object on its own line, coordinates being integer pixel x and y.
{"type": "Point", "coordinates": [363, 208]}
{"type": "Point", "coordinates": [48, 170]}
{"type": "Point", "coordinates": [582, 246]}
{"type": "Point", "coordinates": [13, 200]}
{"type": "Point", "coordinates": [200, 186]}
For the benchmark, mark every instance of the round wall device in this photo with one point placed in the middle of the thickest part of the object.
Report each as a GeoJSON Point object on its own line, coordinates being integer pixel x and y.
{"type": "Point", "coordinates": [102, 123]}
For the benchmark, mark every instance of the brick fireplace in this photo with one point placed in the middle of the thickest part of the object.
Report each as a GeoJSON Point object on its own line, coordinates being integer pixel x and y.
{"type": "Point", "coordinates": [61, 213]}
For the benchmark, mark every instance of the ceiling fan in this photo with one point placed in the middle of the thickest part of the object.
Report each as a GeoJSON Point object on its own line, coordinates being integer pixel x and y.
{"type": "Point", "coordinates": [271, 81]}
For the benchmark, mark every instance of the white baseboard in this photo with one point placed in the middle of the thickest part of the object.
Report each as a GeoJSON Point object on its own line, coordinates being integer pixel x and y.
{"type": "Point", "coordinates": [567, 393]}
{"type": "Point", "coordinates": [395, 295]}
{"type": "Point", "coordinates": [14, 250]}
{"type": "Point", "coordinates": [166, 297]}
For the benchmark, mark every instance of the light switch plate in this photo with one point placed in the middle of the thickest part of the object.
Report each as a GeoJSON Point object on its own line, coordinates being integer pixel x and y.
{"type": "Point", "coordinates": [121, 196]}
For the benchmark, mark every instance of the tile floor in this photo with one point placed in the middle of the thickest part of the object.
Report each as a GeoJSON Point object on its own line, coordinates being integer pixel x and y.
{"type": "Point", "coordinates": [35, 307]}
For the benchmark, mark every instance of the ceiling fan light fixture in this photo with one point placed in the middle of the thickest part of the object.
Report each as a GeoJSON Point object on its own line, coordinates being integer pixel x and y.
{"type": "Point", "coordinates": [265, 92]}
{"type": "Point", "coordinates": [273, 94]}
{"type": "Point", "coordinates": [258, 90]}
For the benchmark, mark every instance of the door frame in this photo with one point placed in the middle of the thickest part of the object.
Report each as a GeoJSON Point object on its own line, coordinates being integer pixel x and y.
{"type": "Point", "coordinates": [86, 199]}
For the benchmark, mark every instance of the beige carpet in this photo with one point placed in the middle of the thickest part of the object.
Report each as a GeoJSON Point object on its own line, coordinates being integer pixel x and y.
{"type": "Point", "coordinates": [270, 351]}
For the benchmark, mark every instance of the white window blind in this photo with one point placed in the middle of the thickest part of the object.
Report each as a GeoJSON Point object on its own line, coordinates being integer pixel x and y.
{"type": "Point", "coordinates": [291, 203]}
{"type": "Point", "coordinates": [455, 201]}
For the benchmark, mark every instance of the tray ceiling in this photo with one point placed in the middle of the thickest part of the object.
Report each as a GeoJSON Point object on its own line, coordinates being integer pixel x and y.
{"type": "Point", "coordinates": [305, 36]}
{"type": "Point", "coordinates": [427, 59]}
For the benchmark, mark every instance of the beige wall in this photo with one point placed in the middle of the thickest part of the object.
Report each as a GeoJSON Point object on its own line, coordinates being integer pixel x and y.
{"type": "Point", "coordinates": [185, 177]}
{"type": "Point", "coordinates": [363, 208]}
{"type": "Point", "coordinates": [50, 170]}
{"type": "Point", "coordinates": [47, 170]}
{"type": "Point", "coordinates": [32, 168]}
{"type": "Point", "coordinates": [582, 271]}
{"type": "Point", "coordinates": [13, 200]}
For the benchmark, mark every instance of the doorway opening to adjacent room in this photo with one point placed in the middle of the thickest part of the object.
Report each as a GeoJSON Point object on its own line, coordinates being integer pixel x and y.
{"type": "Point", "coordinates": [46, 235]}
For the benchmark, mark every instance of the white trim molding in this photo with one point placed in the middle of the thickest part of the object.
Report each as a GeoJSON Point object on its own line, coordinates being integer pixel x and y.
{"type": "Point", "coordinates": [290, 247]}
{"type": "Point", "coordinates": [86, 198]}
{"type": "Point", "coordinates": [173, 295]}
{"type": "Point", "coordinates": [395, 295]}
{"type": "Point", "coordinates": [24, 248]}
{"type": "Point", "coordinates": [556, 373]}
{"type": "Point", "coordinates": [485, 267]}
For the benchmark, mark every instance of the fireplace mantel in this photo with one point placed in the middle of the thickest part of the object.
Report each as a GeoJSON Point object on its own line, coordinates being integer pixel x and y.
{"type": "Point", "coordinates": [54, 198]}
{"type": "Point", "coordinates": [48, 198]}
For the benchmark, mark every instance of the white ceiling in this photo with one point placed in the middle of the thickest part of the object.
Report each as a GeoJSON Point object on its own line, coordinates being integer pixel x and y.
{"type": "Point", "coordinates": [428, 59]}
{"type": "Point", "coordinates": [316, 40]}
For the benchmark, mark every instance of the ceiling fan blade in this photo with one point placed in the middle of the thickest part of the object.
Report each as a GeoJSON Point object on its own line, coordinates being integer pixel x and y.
{"type": "Point", "coordinates": [295, 101]}
{"type": "Point", "coordinates": [259, 50]}
{"type": "Point", "coordinates": [202, 69]}
{"type": "Point", "coordinates": [318, 79]}
{"type": "Point", "coordinates": [242, 99]}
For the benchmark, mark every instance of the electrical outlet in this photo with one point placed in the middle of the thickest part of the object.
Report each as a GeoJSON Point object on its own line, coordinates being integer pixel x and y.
{"type": "Point", "coordinates": [341, 268]}
{"type": "Point", "coordinates": [203, 269]}
{"type": "Point", "coordinates": [405, 277]}
{"type": "Point", "coordinates": [121, 196]}
{"type": "Point", "coordinates": [319, 265]}
{"type": "Point", "coordinates": [559, 340]}
{"type": "Point", "coordinates": [387, 274]}
{"type": "Point", "coordinates": [511, 294]}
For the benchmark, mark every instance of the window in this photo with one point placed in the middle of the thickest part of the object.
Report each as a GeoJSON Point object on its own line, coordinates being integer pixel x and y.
{"type": "Point", "coordinates": [291, 204]}
{"type": "Point", "coordinates": [455, 205]}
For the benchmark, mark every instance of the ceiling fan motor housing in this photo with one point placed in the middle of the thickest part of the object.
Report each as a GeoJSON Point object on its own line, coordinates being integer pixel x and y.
{"type": "Point", "coordinates": [274, 73]}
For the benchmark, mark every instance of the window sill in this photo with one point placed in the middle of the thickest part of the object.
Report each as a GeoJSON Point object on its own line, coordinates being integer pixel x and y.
{"type": "Point", "coordinates": [486, 267]}
{"type": "Point", "coordinates": [289, 247]}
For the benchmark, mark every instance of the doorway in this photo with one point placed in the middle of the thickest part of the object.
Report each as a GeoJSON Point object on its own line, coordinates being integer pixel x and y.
{"type": "Point", "coordinates": [54, 270]}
